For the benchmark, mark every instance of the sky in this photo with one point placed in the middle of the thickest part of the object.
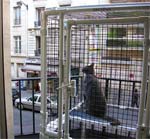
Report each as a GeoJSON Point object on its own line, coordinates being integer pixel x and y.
{"type": "Point", "coordinates": [54, 3]}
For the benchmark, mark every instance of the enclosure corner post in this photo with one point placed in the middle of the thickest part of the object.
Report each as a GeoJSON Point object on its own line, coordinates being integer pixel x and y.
{"type": "Point", "coordinates": [141, 129]}
{"type": "Point", "coordinates": [67, 81]}
{"type": "Point", "coordinates": [61, 50]}
{"type": "Point", "coordinates": [43, 77]}
{"type": "Point", "coordinates": [147, 111]}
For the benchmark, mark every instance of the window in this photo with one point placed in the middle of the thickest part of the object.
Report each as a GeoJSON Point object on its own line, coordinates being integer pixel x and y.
{"type": "Point", "coordinates": [38, 46]}
{"type": "Point", "coordinates": [17, 15]}
{"type": "Point", "coordinates": [38, 16]}
{"type": "Point", "coordinates": [17, 40]}
{"type": "Point", "coordinates": [31, 98]}
{"type": "Point", "coordinates": [39, 99]}
{"type": "Point", "coordinates": [117, 32]}
{"type": "Point", "coordinates": [48, 101]}
{"type": "Point", "coordinates": [125, 36]}
{"type": "Point", "coordinates": [38, 42]}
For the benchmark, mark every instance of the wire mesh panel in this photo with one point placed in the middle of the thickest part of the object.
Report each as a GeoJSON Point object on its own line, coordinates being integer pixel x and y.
{"type": "Point", "coordinates": [110, 58]}
{"type": "Point", "coordinates": [106, 62]}
{"type": "Point", "coordinates": [52, 58]}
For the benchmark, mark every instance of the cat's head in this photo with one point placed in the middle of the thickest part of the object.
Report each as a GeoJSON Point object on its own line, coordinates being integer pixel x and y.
{"type": "Point", "coordinates": [88, 69]}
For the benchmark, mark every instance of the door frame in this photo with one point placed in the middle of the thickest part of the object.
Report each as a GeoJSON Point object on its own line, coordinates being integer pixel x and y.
{"type": "Point", "coordinates": [145, 22]}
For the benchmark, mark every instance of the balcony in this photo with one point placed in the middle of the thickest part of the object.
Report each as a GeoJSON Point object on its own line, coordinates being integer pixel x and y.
{"type": "Point", "coordinates": [37, 52]}
{"type": "Point", "coordinates": [27, 122]}
{"type": "Point", "coordinates": [37, 23]}
{"type": "Point", "coordinates": [17, 22]}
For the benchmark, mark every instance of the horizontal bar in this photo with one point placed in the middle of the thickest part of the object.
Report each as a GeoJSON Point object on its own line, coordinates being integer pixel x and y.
{"type": "Point", "coordinates": [72, 77]}
{"type": "Point", "coordinates": [32, 78]}
{"type": "Point", "coordinates": [123, 6]}
{"type": "Point", "coordinates": [127, 20]}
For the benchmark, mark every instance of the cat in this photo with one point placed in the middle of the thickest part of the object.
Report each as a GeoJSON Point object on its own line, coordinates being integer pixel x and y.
{"type": "Point", "coordinates": [95, 101]}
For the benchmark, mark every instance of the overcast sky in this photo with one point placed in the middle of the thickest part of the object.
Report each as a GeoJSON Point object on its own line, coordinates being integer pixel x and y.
{"type": "Point", "coordinates": [54, 3]}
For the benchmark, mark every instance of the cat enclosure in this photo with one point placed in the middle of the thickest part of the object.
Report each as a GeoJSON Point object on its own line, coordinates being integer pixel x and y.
{"type": "Point", "coordinates": [115, 39]}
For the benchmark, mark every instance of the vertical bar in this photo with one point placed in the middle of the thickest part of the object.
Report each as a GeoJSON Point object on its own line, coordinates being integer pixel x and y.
{"type": "Point", "coordinates": [3, 122]}
{"type": "Point", "coordinates": [106, 88]}
{"type": "Point", "coordinates": [133, 88]}
{"type": "Point", "coordinates": [20, 107]}
{"type": "Point", "coordinates": [43, 75]}
{"type": "Point", "coordinates": [33, 107]}
{"type": "Point", "coordinates": [144, 79]}
{"type": "Point", "coordinates": [67, 81]}
{"type": "Point", "coordinates": [147, 112]}
{"type": "Point", "coordinates": [119, 93]}
{"type": "Point", "coordinates": [61, 51]}
{"type": "Point", "coordinates": [81, 88]}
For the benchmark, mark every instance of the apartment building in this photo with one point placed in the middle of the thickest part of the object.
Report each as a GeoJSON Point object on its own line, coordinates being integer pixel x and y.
{"type": "Point", "coordinates": [25, 33]}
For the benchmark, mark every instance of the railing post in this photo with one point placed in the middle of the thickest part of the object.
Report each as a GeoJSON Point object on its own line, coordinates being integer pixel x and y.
{"type": "Point", "coordinates": [106, 88]}
{"type": "Point", "coordinates": [21, 130]}
{"type": "Point", "coordinates": [133, 88]}
{"type": "Point", "coordinates": [140, 125]}
{"type": "Point", "coordinates": [119, 93]}
{"type": "Point", "coordinates": [33, 107]}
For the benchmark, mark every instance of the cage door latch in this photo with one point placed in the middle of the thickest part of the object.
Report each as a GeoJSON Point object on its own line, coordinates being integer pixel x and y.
{"type": "Point", "coordinates": [72, 88]}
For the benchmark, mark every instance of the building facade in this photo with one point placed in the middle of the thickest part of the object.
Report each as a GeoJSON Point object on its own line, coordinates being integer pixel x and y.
{"type": "Point", "coordinates": [25, 33]}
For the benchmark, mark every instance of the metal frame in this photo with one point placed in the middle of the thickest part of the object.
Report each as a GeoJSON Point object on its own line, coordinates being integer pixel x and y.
{"type": "Point", "coordinates": [61, 12]}
{"type": "Point", "coordinates": [44, 77]}
{"type": "Point", "coordinates": [21, 125]}
{"type": "Point", "coordinates": [119, 6]}
{"type": "Point", "coordinates": [3, 125]}
{"type": "Point", "coordinates": [145, 20]}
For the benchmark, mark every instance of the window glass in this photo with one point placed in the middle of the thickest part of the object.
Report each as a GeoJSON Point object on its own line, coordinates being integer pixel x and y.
{"type": "Point", "coordinates": [38, 16]}
{"type": "Point", "coordinates": [31, 98]}
{"type": "Point", "coordinates": [17, 15]}
{"type": "Point", "coordinates": [17, 42]}
{"type": "Point", "coordinates": [48, 101]}
{"type": "Point", "coordinates": [39, 99]}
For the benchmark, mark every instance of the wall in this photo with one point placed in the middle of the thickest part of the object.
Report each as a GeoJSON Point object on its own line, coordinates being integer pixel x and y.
{"type": "Point", "coordinates": [19, 30]}
{"type": "Point", "coordinates": [6, 114]}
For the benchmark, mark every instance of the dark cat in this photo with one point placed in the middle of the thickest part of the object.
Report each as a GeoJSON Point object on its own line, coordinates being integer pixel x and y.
{"type": "Point", "coordinates": [95, 101]}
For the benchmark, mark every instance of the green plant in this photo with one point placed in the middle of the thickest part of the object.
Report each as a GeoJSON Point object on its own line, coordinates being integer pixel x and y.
{"type": "Point", "coordinates": [116, 32]}
{"type": "Point", "coordinates": [134, 43]}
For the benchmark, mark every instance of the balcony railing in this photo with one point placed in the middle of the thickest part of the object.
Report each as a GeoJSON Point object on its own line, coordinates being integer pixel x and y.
{"type": "Point", "coordinates": [37, 52]}
{"type": "Point", "coordinates": [37, 23]}
{"type": "Point", "coordinates": [28, 122]}
{"type": "Point", "coordinates": [17, 21]}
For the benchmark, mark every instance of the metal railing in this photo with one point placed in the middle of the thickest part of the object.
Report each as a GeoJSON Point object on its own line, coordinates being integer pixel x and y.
{"type": "Point", "coordinates": [118, 86]}
{"type": "Point", "coordinates": [37, 52]}
{"type": "Point", "coordinates": [19, 87]}
{"type": "Point", "coordinates": [37, 23]}
{"type": "Point", "coordinates": [17, 21]}
{"type": "Point", "coordinates": [29, 121]}
{"type": "Point", "coordinates": [30, 88]}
